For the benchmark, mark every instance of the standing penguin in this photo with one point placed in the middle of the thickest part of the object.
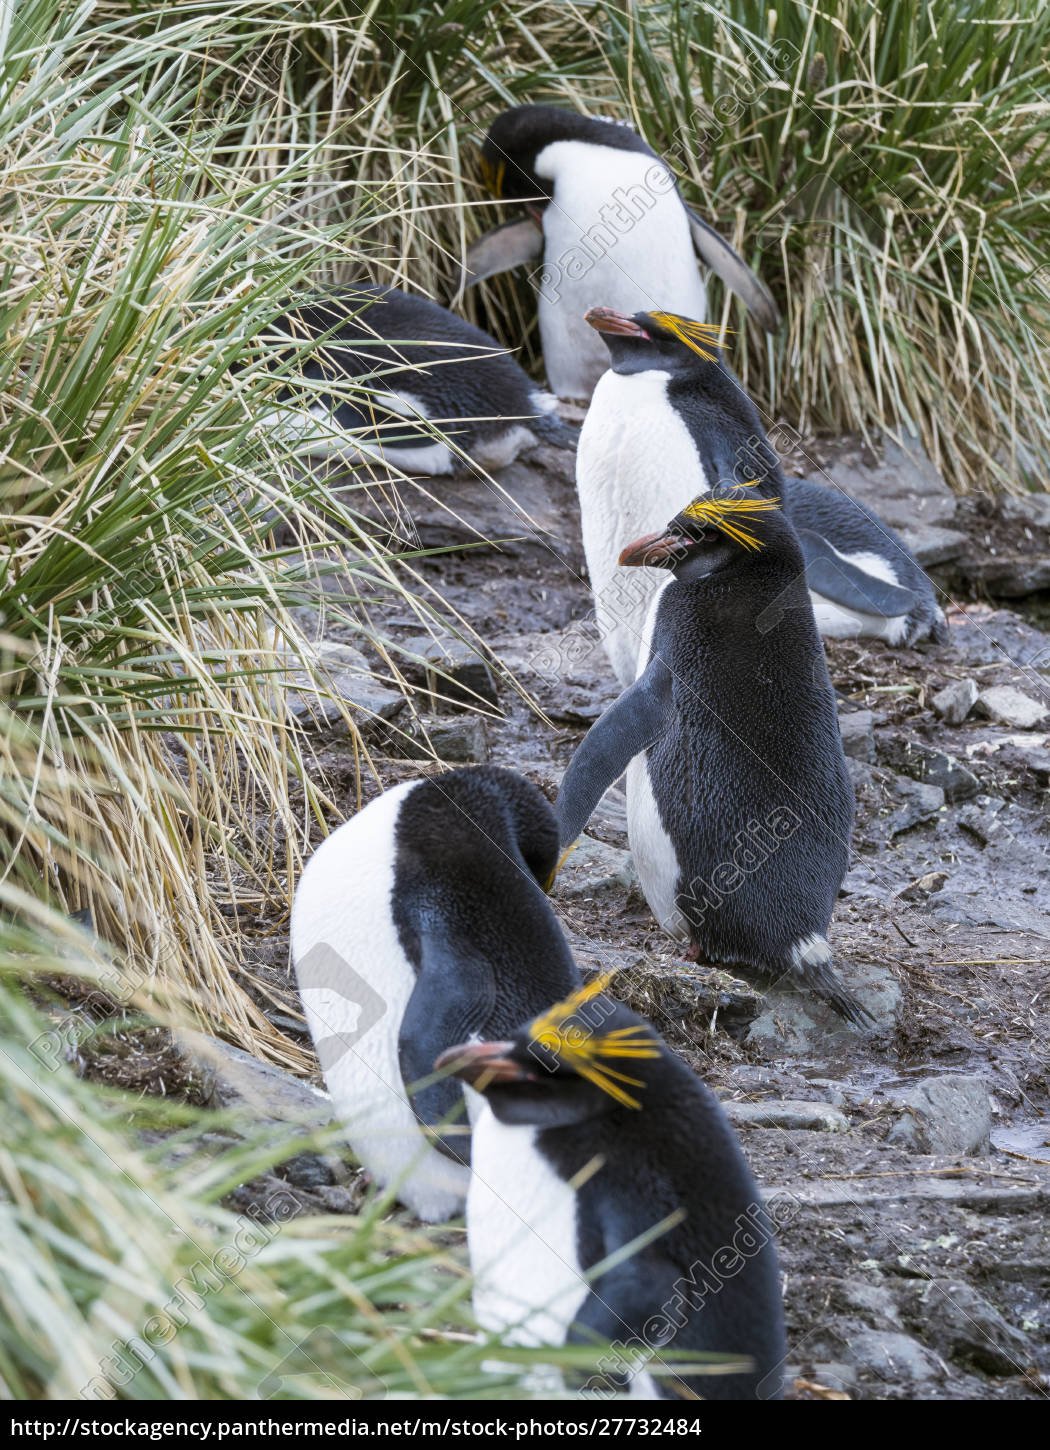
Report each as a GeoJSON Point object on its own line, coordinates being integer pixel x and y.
{"type": "Point", "coordinates": [668, 422]}
{"type": "Point", "coordinates": [593, 1136]}
{"type": "Point", "coordinates": [605, 220]}
{"type": "Point", "coordinates": [420, 921]}
{"type": "Point", "coordinates": [416, 367]}
{"type": "Point", "coordinates": [739, 800]}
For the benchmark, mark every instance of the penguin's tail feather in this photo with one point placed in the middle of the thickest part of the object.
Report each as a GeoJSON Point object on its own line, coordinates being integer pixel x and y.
{"type": "Point", "coordinates": [811, 963]}
{"type": "Point", "coordinates": [549, 428]}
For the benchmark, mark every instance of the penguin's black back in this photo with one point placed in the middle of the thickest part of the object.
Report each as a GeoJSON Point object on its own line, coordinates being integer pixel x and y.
{"type": "Point", "coordinates": [677, 1153]}
{"type": "Point", "coordinates": [384, 344]}
{"type": "Point", "coordinates": [523, 131]}
{"type": "Point", "coordinates": [471, 849]}
{"type": "Point", "coordinates": [754, 738]}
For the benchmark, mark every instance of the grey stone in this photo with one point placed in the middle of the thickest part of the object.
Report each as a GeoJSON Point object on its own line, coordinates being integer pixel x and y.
{"type": "Point", "coordinates": [980, 819]}
{"type": "Point", "coordinates": [462, 742]}
{"type": "Point", "coordinates": [893, 1356]}
{"type": "Point", "coordinates": [857, 729]}
{"type": "Point", "coordinates": [338, 1199]}
{"type": "Point", "coordinates": [932, 767]}
{"type": "Point", "coordinates": [1010, 576]}
{"type": "Point", "coordinates": [931, 544]}
{"type": "Point", "coordinates": [971, 1331]}
{"type": "Point", "coordinates": [787, 1113]}
{"type": "Point", "coordinates": [1032, 508]}
{"type": "Point", "coordinates": [950, 1115]}
{"type": "Point", "coordinates": [905, 489]}
{"type": "Point", "coordinates": [344, 678]}
{"type": "Point", "coordinates": [925, 886]}
{"type": "Point", "coordinates": [794, 1021]}
{"type": "Point", "coordinates": [875, 1304]}
{"type": "Point", "coordinates": [955, 701]}
{"type": "Point", "coordinates": [920, 802]}
{"type": "Point", "coordinates": [1011, 707]}
{"type": "Point", "coordinates": [458, 674]}
{"type": "Point", "coordinates": [240, 1082]}
{"type": "Point", "coordinates": [594, 867]}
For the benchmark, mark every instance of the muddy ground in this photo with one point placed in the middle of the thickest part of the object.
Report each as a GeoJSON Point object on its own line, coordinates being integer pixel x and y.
{"type": "Point", "coordinates": [916, 1157]}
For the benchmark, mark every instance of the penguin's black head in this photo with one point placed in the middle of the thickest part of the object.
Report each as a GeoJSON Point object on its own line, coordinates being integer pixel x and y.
{"type": "Point", "coordinates": [716, 530]}
{"type": "Point", "coordinates": [585, 1057]}
{"type": "Point", "coordinates": [516, 138]}
{"type": "Point", "coordinates": [658, 340]}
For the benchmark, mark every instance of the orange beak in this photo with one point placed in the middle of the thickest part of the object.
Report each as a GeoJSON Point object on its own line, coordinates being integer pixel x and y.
{"type": "Point", "coordinates": [483, 1063]}
{"type": "Point", "coordinates": [653, 549]}
{"type": "Point", "coordinates": [616, 324]}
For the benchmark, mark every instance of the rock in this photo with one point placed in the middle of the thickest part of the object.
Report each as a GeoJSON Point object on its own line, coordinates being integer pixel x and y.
{"type": "Point", "coordinates": [338, 1199]}
{"type": "Point", "coordinates": [1010, 576]}
{"type": "Point", "coordinates": [953, 1315]}
{"type": "Point", "coordinates": [1011, 707]}
{"type": "Point", "coordinates": [947, 1115]}
{"type": "Point", "coordinates": [931, 544]}
{"type": "Point", "coordinates": [786, 1113]}
{"type": "Point", "coordinates": [924, 886]}
{"type": "Point", "coordinates": [1032, 508]}
{"type": "Point", "coordinates": [594, 867]}
{"type": "Point", "coordinates": [308, 1170]}
{"type": "Point", "coordinates": [857, 729]}
{"type": "Point", "coordinates": [931, 767]}
{"type": "Point", "coordinates": [955, 701]}
{"type": "Point", "coordinates": [238, 1081]}
{"type": "Point", "coordinates": [794, 1021]}
{"type": "Point", "coordinates": [463, 742]}
{"type": "Point", "coordinates": [345, 677]}
{"type": "Point", "coordinates": [920, 803]}
{"type": "Point", "coordinates": [457, 741]}
{"type": "Point", "coordinates": [905, 489]}
{"type": "Point", "coordinates": [980, 819]}
{"type": "Point", "coordinates": [458, 674]}
{"type": "Point", "coordinates": [674, 992]}
{"type": "Point", "coordinates": [893, 1357]}
{"type": "Point", "coordinates": [875, 1304]}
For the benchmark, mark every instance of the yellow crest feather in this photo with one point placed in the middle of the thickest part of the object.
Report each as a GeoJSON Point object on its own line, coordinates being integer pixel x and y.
{"type": "Point", "coordinates": [730, 515]}
{"type": "Point", "coordinates": [587, 1051]}
{"type": "Point", "coordinates": [698, 336]}
{"type": "Point", "coordinates": [492, 175]}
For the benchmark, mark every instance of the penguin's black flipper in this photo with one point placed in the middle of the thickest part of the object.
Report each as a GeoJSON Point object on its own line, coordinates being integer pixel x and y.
{"type": "Point", "coordinates": [452, 999]}
{"type": "Point", "coordinates": [715, 252]}
{"type": "Point", "coordinates": [844, 583]}
{"type": "Point", "coordinates": [630, 725]}
{"type": "Point", "coordinates": [513, 244]}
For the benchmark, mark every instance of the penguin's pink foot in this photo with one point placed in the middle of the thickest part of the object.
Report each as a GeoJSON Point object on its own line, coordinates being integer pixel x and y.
{"type": "Point", "coordinates": [691, 953]}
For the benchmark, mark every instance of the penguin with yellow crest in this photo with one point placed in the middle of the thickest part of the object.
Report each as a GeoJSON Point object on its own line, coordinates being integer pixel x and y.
{"type": "Point", "coordinates": [610, 1203]}
{"type": "Point", "coordinates": [669, 422]}
{"type": "Point", "coordinates": [739, 800]}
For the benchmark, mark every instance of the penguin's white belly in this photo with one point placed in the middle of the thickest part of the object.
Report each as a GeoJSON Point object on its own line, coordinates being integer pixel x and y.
{"type": "Point", "coordinates": [355, 982]}
{"type": "Point", "coordinates": [615, 235]}
{"type": "Point", "coordinates": [521, 1228]}
{"type": "Point", "coordinates": [836, 622]}
{"type": "Point", "coordinates": [636, 467]}
{"type": "Point", "coordinates": [655, 858]}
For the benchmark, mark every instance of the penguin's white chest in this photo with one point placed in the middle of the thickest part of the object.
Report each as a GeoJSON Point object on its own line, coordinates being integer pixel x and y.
{"type": "Point", "coordinates": [837, 622]}
{"type": "Point", "coordinates": [636, 467]}
{"type": "Point", "coordinates": [655, 858]}
{"type": "Point", "coordinates": [355, 982]}
{"type": "Point", "coordinates": [615, 235]}
{"type": "Point", "coordinates": [521, 1228]}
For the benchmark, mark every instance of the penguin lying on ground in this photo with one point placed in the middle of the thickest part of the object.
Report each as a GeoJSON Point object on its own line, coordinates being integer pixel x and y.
{"type": "Point", "coordinates": [417, 923]}
{"type": "Point", "coordinates": [739, 800]}
{"type": "Point", "coordinates": [419, 363]}
{"type": "Point", "coordinates": [603, 219]}
{"type": "Point", "coordinates": [594, 1134]}
{"type": "Point", "coordinates": [669, 422]}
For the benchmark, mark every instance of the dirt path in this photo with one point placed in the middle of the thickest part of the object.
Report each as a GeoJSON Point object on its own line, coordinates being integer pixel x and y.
{"type": "Point", "coordinates": [917, 1157]}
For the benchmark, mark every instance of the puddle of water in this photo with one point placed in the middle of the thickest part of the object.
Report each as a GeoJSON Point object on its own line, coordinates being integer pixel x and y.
{"type": "Point", "coordinates": [1031, 1138]}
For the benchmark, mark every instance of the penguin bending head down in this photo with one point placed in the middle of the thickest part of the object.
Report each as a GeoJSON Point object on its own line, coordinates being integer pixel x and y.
{"type": "Point", "coordinates": [417, 364]}
{"type": "Point", "coordinates": [739, 800]}
{"type": "Point", "coordinates": [668, 422]}
{"type": "Point", "coordinates": [419, 922]}
{"type": "Point", "coordinates": [604, 219]}
{"type": "Point", "coordinates": [593, 1135]}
